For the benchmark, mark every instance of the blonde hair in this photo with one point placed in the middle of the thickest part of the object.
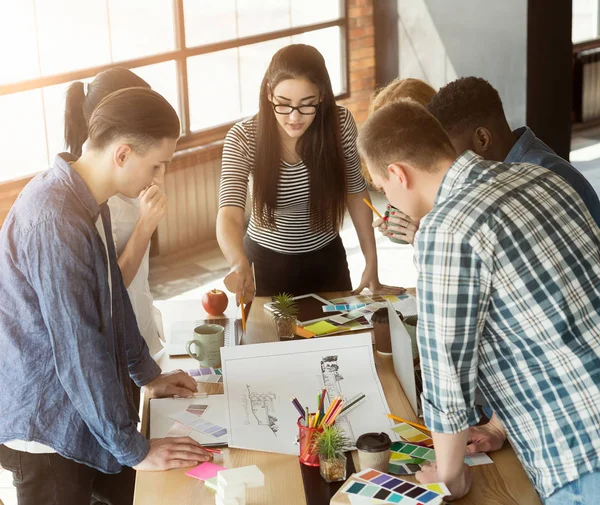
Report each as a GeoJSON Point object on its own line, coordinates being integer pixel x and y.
{"type": "Point", "coordinates": [398, 89]}
{"type": "Point", "coordinates": [418, 90]}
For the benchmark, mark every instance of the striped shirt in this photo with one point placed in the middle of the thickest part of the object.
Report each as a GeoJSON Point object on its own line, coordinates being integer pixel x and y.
{"type": "Point", "coordinates": [292, 233]}
{"type": "Point", "coordinates": [509, 300]}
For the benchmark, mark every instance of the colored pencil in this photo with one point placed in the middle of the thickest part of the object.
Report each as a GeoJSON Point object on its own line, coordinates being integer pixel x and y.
{"type": "Point", "coordinates": [335, 413]}
{"type": "Point", "coordinates": [323, 393]}
{"type": "Point", "coordinates": [332, 408]}
{"type": "Point", "coordinates": [208, 449]}
{"type": "Point", "coordinates": [243, 315]}
{"type": "Point", "coordinates": [297, 405]}
{"type": "Point", "coordinates": [372, 208]}
{"type": "Point", "coordinates": [358, 400]}
{"type": "Point", "coordinates": [328, 411]}
{"type": "Point", "coordinates": [416, 425]}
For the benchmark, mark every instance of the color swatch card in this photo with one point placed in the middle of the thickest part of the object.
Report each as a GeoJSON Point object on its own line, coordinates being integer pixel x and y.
{"type": "Point", "coordinates": [411, 434]}
{"type": "Point", "coordinates": [199, 424]}
{"type": "Point", "coordinates": [178, 430]}
{"type": "Point", "coordinates": [404, 303]}
{"type": "Point", "coordinates": [406, 459]}
{"type": "Point", "coordinates": [207, 374]}
{"type": "Point", "coordinates": [177, 417]}
{"type": "Point", "coordinates": [343, 307]}
{"type": "Point", "coordinates": [197, 409]}
{"type": "Point", "coordinates": [383, 488]}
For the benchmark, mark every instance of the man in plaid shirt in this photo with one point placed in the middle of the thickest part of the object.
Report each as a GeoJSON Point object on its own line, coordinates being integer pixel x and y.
{"type": "Point", "coordinates": [509, 300]}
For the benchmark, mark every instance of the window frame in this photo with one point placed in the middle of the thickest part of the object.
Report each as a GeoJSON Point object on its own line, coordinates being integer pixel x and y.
{"type": "Point", "coordinates": [180, 55]}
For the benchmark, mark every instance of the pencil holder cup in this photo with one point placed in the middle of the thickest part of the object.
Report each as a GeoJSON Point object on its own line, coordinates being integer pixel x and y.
{"type": "Point", "coordinates": [308, 456]}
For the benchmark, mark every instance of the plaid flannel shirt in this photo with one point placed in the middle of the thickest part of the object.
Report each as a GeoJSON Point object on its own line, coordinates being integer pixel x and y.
{"type": "Point", "coordinates": [508, 293]}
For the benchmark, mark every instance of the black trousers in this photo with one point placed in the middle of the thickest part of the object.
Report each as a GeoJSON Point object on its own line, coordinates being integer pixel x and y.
{"type": "Point", "coordinates": [50, 479]}
{"type": "Point", "coordinates": [298, 274]}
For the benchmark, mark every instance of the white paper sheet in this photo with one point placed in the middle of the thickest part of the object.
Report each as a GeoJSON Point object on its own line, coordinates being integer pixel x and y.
{"type": "Point", "coordinates": [259, 380]}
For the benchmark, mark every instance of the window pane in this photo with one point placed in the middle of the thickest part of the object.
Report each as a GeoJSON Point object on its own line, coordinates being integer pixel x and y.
{"type": "Point", "coordinates": [329, 43]}
{"type": "Point", "coordinates": [73, 34]}
{"type": "Point", "coordinates": [141, 28]}
{"type": "Point", "coordinates": [264, 16]}
{"type": "Point", "coordinates": [585, 20]}
{"type": "Point", "coordinates": [22, 136]}
{"type": "Point", "coordinates": [162, 77]}
{"type": "Point", "coordinates": [306, 12]}
{"type": "Point", "coordinates": [18, 56]}
{"type": "Point", "coordinates": [254, 60]}
{"type": "Point", "coordinates": [208, 22]}
{"type": "Point", "coordinates": [214, 92]}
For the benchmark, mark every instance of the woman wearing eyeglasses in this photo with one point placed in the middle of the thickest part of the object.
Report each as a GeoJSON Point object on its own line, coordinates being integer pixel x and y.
{"type": "Point", "coordinates": [300, 151]}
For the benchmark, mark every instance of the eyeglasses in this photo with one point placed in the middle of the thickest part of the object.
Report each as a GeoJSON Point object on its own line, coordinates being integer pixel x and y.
{"type": "Point", "coordinates": [305, 110]}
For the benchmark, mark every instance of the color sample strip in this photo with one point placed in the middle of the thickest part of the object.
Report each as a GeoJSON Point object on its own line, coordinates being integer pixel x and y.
{"type": "Point", "coordinates": [197, 372]}
{"type": "Point", "coordinates": [342, 307]}
{"type": "Point", "coordinates": [197, 409]}
{"type": "Point", "coordinates": [382, 486]}
{"type": "Point", "coordinates": [415, 451]}
{"type": "Point", "coordinates": [411, 434]}
{"type": "Point", "coordinates": [199, 424]}
{"type": "Point", "coordinates": [405, 459]}
{"type": "Point", "coordinates": [178, 430]}
{"type": "Point", "coordinates": [481, 458]}
{"type": "Point", "coordinates": [403, 469]}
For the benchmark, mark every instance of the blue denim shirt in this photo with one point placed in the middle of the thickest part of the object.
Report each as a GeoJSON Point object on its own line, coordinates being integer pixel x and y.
{"type": "Point", "coordinates": [530, 149]}
{"type": "Point", "coordinates": [65, 361]}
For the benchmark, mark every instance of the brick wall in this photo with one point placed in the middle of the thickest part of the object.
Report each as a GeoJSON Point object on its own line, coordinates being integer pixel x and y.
{"type": "Point", "coordinates": [361, 54]}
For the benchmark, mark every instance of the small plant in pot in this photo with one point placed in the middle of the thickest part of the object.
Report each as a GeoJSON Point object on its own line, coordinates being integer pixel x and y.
{"type": "Point", "coordinates": [330, 445]}
{"type": "Point", "coordinates": [285, 310]}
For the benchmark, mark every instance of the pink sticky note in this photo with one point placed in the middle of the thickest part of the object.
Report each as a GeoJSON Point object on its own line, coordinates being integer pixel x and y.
{"type": "Point", "coordinates": [204, 471]}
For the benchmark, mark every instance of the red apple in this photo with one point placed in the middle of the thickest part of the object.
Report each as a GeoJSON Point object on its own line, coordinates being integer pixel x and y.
{"type": "Point", "coordinates": [215, 302]}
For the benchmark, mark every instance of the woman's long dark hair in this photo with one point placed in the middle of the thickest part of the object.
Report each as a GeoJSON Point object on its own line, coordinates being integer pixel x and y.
{"type": "Point", "coordinates": [320, 146]}
{"type": "Point", "coordinates": [79, 105]}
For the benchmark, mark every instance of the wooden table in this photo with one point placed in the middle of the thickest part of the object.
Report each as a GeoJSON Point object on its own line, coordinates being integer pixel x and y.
{"type": "Point", "coordinates": [504, 483]}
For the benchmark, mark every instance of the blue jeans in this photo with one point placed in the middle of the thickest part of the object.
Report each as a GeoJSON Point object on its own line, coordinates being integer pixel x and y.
{"type": "Point", "coordinates": [583, 491]}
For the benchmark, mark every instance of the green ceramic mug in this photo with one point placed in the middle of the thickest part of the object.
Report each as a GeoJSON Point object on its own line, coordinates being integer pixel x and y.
{"type": "Point", "coordinates": [206, 344]}
{"type": "Point", "coordinates": [394, 239]}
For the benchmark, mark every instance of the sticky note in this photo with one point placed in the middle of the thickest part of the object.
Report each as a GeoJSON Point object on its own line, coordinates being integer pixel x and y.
{"type": "Point", "coordinates": [205, 471]}
{"type": "Point", "coordinates": [322, 328]}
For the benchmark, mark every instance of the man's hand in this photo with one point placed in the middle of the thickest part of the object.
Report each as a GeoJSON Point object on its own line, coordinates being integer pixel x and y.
{"type": "Point", "coordinates": [459, 486]}
{"type": "Point", "coordinates": [487, 437]}
{"type": "Point", "coordinates": [173, 383]}
{"type": "Point", "coordinates": [173, 452]}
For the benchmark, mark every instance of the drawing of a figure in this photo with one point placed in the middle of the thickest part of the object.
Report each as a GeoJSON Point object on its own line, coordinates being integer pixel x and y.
{"type": "Point", "coordinates": [332, 379]}
{"type": "Point", "coordinates": [262, 407]}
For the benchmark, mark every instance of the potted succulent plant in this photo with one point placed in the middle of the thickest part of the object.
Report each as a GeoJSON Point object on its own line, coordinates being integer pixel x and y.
{"type": "Point", "coordinates": [330, 445]}
{"type": "Point", "coordinates": [285, 310]}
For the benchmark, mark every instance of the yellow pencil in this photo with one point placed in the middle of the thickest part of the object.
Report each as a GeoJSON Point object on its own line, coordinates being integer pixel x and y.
{"type": "Point", "coordinates": [372, 208]}
{"type": "Point", "coordinates": [243, 315]}
{"type": "Point", "coordinates": [416, 425]}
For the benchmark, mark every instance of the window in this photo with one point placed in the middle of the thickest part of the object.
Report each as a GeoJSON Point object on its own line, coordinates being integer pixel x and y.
{"type": "Point", "coordinates": [585, 20]}
{"type": "Point", "coordinates": [207, 58]}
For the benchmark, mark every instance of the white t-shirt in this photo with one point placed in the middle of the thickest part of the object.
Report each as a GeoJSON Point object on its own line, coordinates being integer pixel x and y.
{"type": "Point", "coordinates": [124, 214]}
{"type": "Point", "coordinates": [36, 447]}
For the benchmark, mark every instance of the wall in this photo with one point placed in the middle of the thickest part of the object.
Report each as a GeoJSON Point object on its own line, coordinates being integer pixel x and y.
{"type": "Point", "coordinates": [506, 42]}
{"type": "Point", "coordinates": [439, 42]}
